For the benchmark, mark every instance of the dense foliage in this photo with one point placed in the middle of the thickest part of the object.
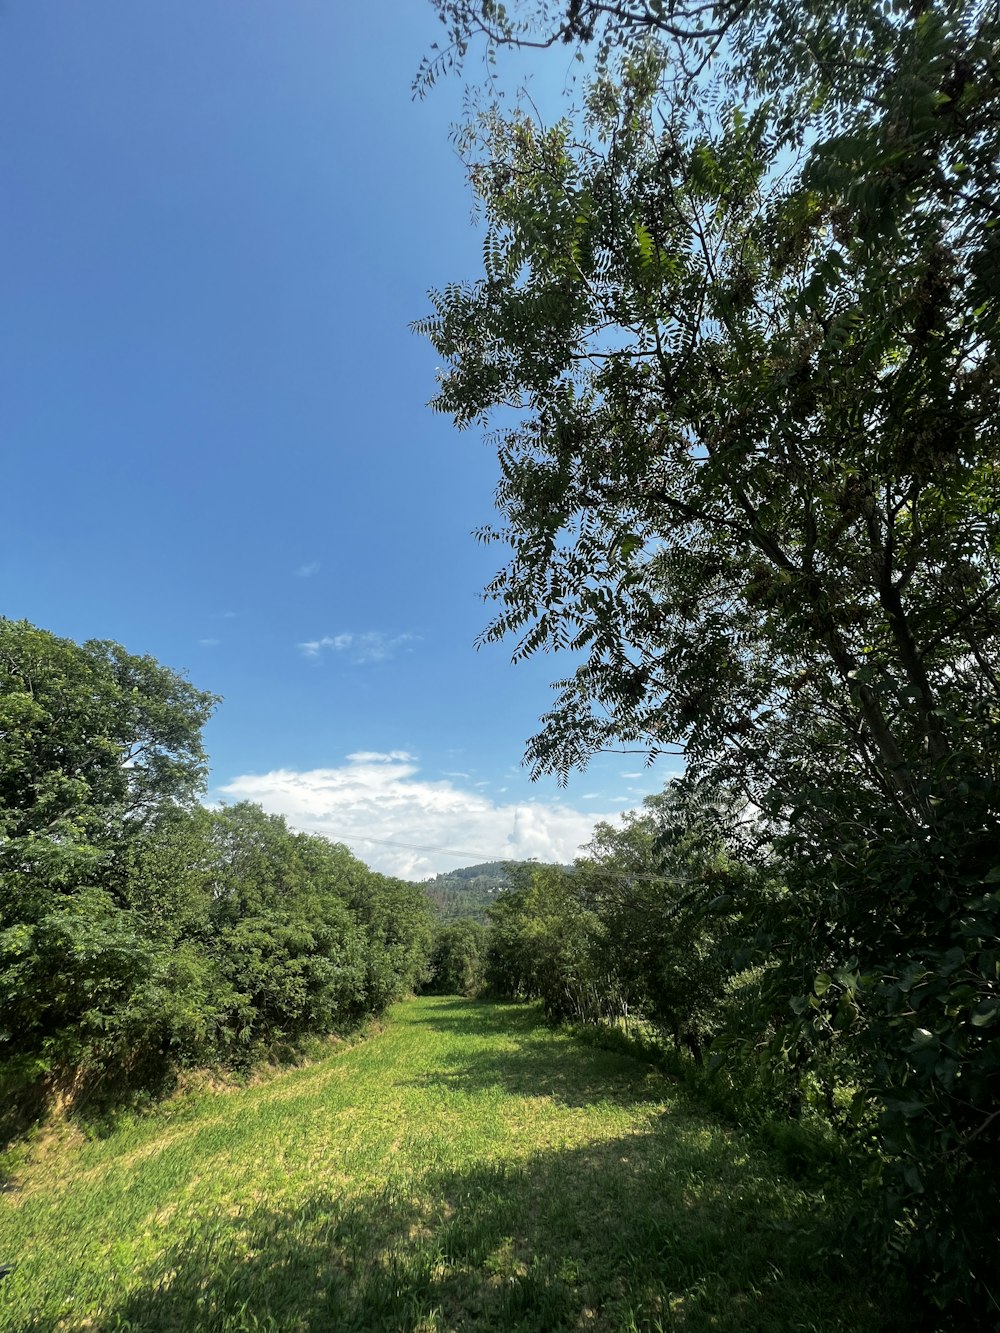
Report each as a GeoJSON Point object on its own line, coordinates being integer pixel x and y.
{"type": "Point", "coordinates": [668, 924]}
{"type": "Point", "coordinates": [741, 316]}
{"type": "Point", "coordinates": [456, 961]}
{"type": "Point", "coordinates": [467, 892]}
{"type": "Point", "coordinates": [139, 931]}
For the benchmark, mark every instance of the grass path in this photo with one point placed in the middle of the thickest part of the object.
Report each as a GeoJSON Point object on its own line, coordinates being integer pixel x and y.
{"type": "Point", "coordinates": [465, 1168]}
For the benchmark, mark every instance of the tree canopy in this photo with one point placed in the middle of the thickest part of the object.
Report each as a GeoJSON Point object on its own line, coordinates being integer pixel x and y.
{"type": "Point", "coordinates": [95, 740]}
{"type": "Point", "coordinates": [753, 356]}
{"type": "Point", "coordinates": [737, 336]}
{"type": "Point", "coordinates": [139, 931]}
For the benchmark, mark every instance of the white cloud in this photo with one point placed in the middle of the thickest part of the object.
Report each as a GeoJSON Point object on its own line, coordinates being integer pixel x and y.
{"type": "Point", "coordinates": [361, 649]}
{"type": "Point", "coordinates": [307, 571]}
{"type": "Point", "coordinates": [209, 643]}
{"type": "Point", "coordinates": [402, 825]}
{"type": "Point", "coordinates": [380, 756]}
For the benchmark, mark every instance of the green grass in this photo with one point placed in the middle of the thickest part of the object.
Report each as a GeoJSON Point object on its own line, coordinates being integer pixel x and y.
{"type": "Point", "coordinates": [464, 1168]}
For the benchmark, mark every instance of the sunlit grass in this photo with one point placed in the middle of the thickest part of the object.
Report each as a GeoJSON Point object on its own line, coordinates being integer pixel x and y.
{"type": "Point", "coordinates": [466, 1168]}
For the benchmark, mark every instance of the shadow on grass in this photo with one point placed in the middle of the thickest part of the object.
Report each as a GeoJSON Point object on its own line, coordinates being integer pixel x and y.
{"type": "Point", "coordinates": [531, 1060]}
{"type": "Point", "coordinates": [547, 1069]}
{"type": "Point", "coordinates": [478, 1018]}
{"type": "Point", "coordinates": [649, 1231]}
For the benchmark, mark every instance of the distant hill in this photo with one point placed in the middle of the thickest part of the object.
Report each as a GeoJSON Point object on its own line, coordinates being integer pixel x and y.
{"type": "Point", "coordinates": [467, 892]}
{"type": "Point", "coordinates": [471, 890]}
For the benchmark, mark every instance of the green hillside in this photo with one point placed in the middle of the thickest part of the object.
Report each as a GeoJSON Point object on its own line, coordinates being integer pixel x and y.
{"type": "Point", "coordinates": [469, 891]}
{"type": "Point", "coordinates": [465, 1168]}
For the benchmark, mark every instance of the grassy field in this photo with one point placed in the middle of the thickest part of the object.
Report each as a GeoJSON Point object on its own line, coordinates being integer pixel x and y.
{"type": "Point", "coordinates": [465, 1168]}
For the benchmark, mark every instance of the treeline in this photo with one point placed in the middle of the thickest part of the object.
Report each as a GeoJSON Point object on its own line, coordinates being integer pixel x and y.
{"type": "Point", "coordinates": [697, 924]}
{"type": "Point", "coordinates": [677, 926]}
{"type": "Point", "coordinates": [659, 925]}
{"type": "Point", "coordinates": [141, 932]}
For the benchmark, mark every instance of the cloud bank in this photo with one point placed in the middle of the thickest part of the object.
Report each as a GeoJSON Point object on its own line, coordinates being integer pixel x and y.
{"type": "Point", "coordinates": [403, 825]}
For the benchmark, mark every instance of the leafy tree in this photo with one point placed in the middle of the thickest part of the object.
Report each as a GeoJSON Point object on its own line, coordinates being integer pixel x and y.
{"type": "Point", "coordinates": [288, 948]}
{"type": "Point", "coordinates": [741, 316]}
{"type": "Point", "coordinates": [667, 889]}
{"type": "Point", "coordinates": [757, 426]}
{"type": "Point", "coordinates": [456, 962]}
{"type": "Point", "coordinates": [140, 932]}
{"type": "Point", "coordinates": [544, 943]}
{"type": "Point", "coordinates": [96, 747]}
{"type": "Point", "coordinates": [308, 938]}
{"type": "Point", "coordinates": [399, 923]}
{"type": "Point", "coordinates": [96, 742]}
{"type": "Point", "coordinates": [506, 969]}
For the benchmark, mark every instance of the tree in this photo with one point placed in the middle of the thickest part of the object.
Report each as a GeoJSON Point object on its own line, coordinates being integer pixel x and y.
{"type": "Point", "coordinates": [308, 938]}
{"type": "Point", "coordinates": [668, 891]}
{"type": "Point", "coordinates": [456, 962]}
{"type": "Point", "coordinates": [757, 434]}
{"type": "Point", "coordinates": [545, 943]}
{"type": "Point", "coordinates": [96, 743]}
{"type": "Point", "coordinates": [140, 932]}
{"type": "Point", "coordinates": [740, 318]}
{"type": "Point", "coordinates": [99, 749]}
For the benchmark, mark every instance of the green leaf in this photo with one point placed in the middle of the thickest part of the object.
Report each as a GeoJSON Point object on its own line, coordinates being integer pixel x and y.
{"type": "Point", "coordinates": [912, 1177]}
{"type": "Point", "coordinates": [646, 247]}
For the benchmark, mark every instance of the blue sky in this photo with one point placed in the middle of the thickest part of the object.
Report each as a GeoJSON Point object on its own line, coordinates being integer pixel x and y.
{"type": "Point", "coordinates": [217, 219]}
